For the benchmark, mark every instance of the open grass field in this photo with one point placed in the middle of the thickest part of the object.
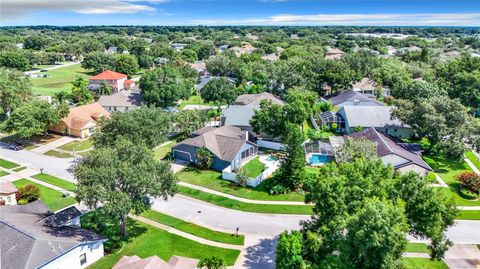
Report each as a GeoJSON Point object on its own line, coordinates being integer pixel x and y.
{"type": "Point", "coordinates": [146, 240]}
{"type": "Point", "coordinates": [61, 183]}
{"type": "Point", "coordinates": [194, 229]}
{"type": "Point", "coordinates": [7, 164]}
{"type": "Point", "coordinates": [254, 167]}
{"type": "Point", "coordinates": [52, 198]}
{"type": "Point", "coordinates": [247, 207]}
{"type": "Point", "coordinates": [213, 180]}
{"type": "Point", "coordinates": [59, 79]}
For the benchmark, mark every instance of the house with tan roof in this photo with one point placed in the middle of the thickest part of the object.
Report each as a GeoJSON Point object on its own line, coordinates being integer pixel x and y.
{"type": "Point", "coordinates": [7, 193]}
{"type": "Point", "coordinates": [333, 54]}
{"type": "Point", "coordinates": [154, 262]}
{"type": "Point", "coordinates": [117, 81]}
{"type": "Point", "coordinates": [81, 121]}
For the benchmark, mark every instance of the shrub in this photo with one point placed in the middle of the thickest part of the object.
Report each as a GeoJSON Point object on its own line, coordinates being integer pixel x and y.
{"type": "Point", "coordinates": [213, 263]}
{"type": "Point", "coordinates": [29, 192]}
{"type": "Point", "coordinates": [22, 201]}
{"type": "Point", "coordinates": [431, 178]}
{"type": "Point", "coordinates": [204, 158]}
{"type": "Point", "coordinates": [241, 177]}
{"type": "Point", "coordinates": [2, 202]}
{"type": "Point", "coordinates": [470, 181]}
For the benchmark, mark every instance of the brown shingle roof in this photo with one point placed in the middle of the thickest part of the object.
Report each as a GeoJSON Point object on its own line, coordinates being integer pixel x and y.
{"type": "Point", "coordinates": [256, 99]}
{"type": "Point", "coordinates": [86, 116]}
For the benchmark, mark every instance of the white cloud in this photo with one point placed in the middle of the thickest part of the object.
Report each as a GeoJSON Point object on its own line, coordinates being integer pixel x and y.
{"type": "Point", "coordinates": [426, 19]}
{"type": "Point", "coordinates": [16, 9]}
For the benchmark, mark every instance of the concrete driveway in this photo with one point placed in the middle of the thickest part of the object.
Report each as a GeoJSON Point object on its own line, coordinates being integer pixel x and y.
{"type": "Point", "coordinates": [462, 257]}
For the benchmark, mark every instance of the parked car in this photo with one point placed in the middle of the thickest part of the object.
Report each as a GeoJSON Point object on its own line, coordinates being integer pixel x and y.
{"type": "Point", "coordinates": [15, 146]}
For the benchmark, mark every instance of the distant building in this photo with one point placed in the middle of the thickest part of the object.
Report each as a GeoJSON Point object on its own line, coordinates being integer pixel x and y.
{"type": "Point", "coordinates": [7, 193]}
{"type": "Point", "coordinates": [111, 50]}
{"type": "Point", "coordinates": [154, 262]}
{"type": "Point", "coordinates": [245, 49]}
{"type": "Point", "coordinates": [81, 121]}
{"type": "Point", "coordinates": [121, 101]}
{"type": "Point", "coordinates": [270, 57]}
{"type": "Point", "coordinates": [178, 46]}
{"type": "Point", "coordinates": [368, 86]}
{"type": "Point", "coordinates": [333, 54]}
{"type": "Point", "coordinates": [31, 237]}
{"type": "Point", "coordinates": [117, 81]}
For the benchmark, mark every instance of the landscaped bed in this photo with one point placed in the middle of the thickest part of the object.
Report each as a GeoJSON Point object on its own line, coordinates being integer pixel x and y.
{"type": "Point", "coordinates": [61, 183]}
{"type": "Point", "coordinates": [254, 167]}
{"type": "Point", "coordinates": [7, 164]}
{"type": "Point", "coordinates": [213, 180]}
{"type": "Point", "coordinates": [193, 229]}
{"type": "Point", "coordinates": [78, 145]}
{"type": "Point", "coordinates": [237, 205]}
{"type": "Point", "coordinates": [146, 241]}
{"type": "Point", "coordinates": [52, 198]}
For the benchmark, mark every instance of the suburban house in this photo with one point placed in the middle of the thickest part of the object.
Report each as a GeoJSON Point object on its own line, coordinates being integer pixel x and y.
{"type": "Point", "coordinates": [351, 98]}
{"type": "Point", "coordinates": [7, 193]}
{"type": "Point", "coordinates": [32, 238]}
{"type": "Point", "coordinates": [121, 101]}
{"type": "Point", "coordinates": [229, 145]}
{"type": "Point", "coordinates": [200, 67]}
{"type": "Point", "coordinates": [245, 49]}
{"type": "Point", "coordinates": [154, 262]}
{"type": "Point", "coordinates": [378, 117]}
{"type": "Point", "coordinates": [117, 81]}
{"type": "Point", "coordinates": [178, 46]}
{"type": "Point", "coordinates": [81, 121]}
{"type": "Point", "coordinates": [390, 152]}
{"type": "Point", "coordinates": [333, 54]}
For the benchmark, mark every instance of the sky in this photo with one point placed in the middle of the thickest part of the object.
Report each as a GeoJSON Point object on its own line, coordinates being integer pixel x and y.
{"type": "Point", "coordinates": [238, 12]}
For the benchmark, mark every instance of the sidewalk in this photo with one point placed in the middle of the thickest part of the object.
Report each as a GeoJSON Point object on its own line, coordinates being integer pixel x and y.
{"type": "Point", "coordinates": [474, 168]}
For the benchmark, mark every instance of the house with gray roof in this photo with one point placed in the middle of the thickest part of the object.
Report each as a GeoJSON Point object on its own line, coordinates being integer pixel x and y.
{"type": "Point", "coordinates": [121, 101]}
{"type": "Point", "coordinates": [378, 117]}
{"type": "Point", "coordinates": [390, 152]}
{"type": "Point", "coordinates": [229, 146]}
{"type": "Point", "coordinates": [351, 97]}
{"type": "Point", "coordinates": [30, 239]}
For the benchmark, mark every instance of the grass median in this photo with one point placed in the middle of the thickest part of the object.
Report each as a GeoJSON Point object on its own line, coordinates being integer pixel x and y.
{"type": "Point", "coordinates": [469, 215]}
{"type": "Point", "coordinates": [194, 229]}
{"type": "Point", "coordinates": [8, 165]}
{"type": "Point", "coordinates": [237, 205]}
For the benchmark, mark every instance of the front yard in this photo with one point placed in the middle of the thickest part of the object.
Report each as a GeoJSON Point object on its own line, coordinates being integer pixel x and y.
{"type": "Point", "coordinates": [164, 150]}
{"type": "Point", "coordinates": [78, 145]}
{"type": "Point", "coordinates": [213, 180]}
{"type": "Point", "coordinates": [8, 165]}
{"type": "Point", "coordinates": [423, 263]}
{"type": "Point", "coordinates": [146, 241]}
{"type": "Point", "coordinates": [52, 198]}
{"type": "Point", "coordinates": [473, 158]}
{"type": "Point", "coordinates": [61, 183]}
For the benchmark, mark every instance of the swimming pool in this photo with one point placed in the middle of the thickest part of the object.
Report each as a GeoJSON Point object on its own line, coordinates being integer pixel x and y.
{"type": "Point", "coordinates": [272, 158]}
{"type": "Point", "coordinates": [316, 159]}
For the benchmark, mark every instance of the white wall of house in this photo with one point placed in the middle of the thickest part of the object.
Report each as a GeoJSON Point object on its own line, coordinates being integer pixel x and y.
{"type": "Point", "coordinates": [9, 199]}
{"type": "Point", "coordinates": [415, 168]}
{"type": "Point", "coordinates": [71, 260]}
{"type": "Point", "coordinates": [119, 84]}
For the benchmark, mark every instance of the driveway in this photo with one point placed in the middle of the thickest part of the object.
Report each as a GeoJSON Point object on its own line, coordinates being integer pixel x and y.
{"type": "Point", "coordinates": [462, 257]}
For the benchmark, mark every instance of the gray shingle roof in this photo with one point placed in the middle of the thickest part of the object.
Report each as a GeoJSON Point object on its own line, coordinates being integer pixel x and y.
{"type": "Point", "coordinates": [224, 142]}
{"type": "Point", "coordinates": [60, 218]}
{"type": "Point", "coordinates": [256, 99]}
{"type": "Point", "coordinates": [238, 115]}
{"type": "Point", "coordinates": [370, 116]}
{"type": "Point", "coordinates": [386, 146]}
{"type": "Point", "coordinates": [121, 99]}
{"type": "Point", "coordinates": [26, 243]}
{"type": "Point", "coordinates": [350, 97]}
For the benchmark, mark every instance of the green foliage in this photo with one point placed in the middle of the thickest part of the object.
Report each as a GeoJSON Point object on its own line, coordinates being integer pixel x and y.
{"type": "Point", "coordinates": [104, 88]}
{"type": "Point", "coordinates": [204, 158]}
{"type": "Point", "coordinates": [219, 91]}
{"type": "Point", "coordinates": [241, 177]}
{"type": "Point", "coordinates": [213, 263]}
{"type": "Point", "coordinates": [470, 181]}
{"type": "Point", "coordinates": [360, 148]}
{"type": "Point", "coordinates": [15, 90]}
{"type": "Point", "coordinates": [98, 61]}
{"type": "Point", "coordinates": [121, 178]}
{"type": "Point", "coordinates": [80, 94]}
{"type": "Point", "coordinates": [289, 251]}
{"type": "Point", "coordinates": [417, 91]}
{"type": "Point", "coordinates": [187, 121]}
{"type": "Point", "coordinates": [29, 193]}
{"type": "Point", "coordinates": [126, 64]}
{"type": "Point", "coordinates": [14, 59]}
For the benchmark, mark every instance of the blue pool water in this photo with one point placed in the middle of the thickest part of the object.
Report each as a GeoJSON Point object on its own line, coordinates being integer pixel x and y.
{"type": "Point", "coordinates": [272, 158]}
{"type": "Point", "coordinates": [318, 159]}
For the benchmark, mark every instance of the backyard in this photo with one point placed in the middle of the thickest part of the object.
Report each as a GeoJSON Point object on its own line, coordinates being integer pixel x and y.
{"type": "Point", "coordinates": [52, 198]}
{"type": "Point", "coordinates": [213, 180]}
{"type": "Point", "coordinates": [59, 79]}
{"type": "Point", "coordinates": [254, 167]}
{"type": "Point", "coordinates": [145, 240]}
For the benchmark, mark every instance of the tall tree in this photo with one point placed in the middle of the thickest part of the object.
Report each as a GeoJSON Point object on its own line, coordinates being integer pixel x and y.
{"type": "Point", "coordinates": [417, 90]}
{"type": "Point", "coordinates": [187, 121]}
{"type": "Point", "coordinates": [15, 90]}
{"type": "Point", "coordinates": [219, 91]}
{"type": "Point", "coordinates": [104, 88]}
{"type": "Point", "coordinates": [121, 179]}
{"type": "Point", "coordinates": [355, 149]}
{"type": "Point", "coordinates": [80, 94]}
{"type": "Point", "coordinates": [126, 64]}
{"type": "Point", "coordinates": [289, 251]}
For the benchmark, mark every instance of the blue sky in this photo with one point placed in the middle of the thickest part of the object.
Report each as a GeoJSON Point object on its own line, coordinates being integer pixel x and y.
{"type": "Point", "coordinates": [236, 12]}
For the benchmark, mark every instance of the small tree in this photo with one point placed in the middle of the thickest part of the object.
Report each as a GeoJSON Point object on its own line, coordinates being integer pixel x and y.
{"type": "Point", "coordinates": [213, 263]}
{"type": "Point", "coordinates": [29, 192]}
{"type": "Point", "coordinates": [241, 177]}
{"type": "Point", "coordinates": [104, 88]}
{"type": "Point", "coordinates": [292, 170]}
{"type": "Point", "coordinates": [354, 149]}
{"type": "Point", "coordinates": [470, 181]}
{"type": "Point", "coordinates": [289, 251]}
{"type": "Point", "coordinates": [204, 158]}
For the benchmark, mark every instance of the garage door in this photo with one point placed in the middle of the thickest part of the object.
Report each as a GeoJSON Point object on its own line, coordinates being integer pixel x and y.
{"type": "Point", "coordinates": [181, 155]}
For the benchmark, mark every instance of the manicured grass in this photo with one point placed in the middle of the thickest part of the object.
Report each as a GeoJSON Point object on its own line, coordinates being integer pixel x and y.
{"type": "Point", "coordinates": [78, 145]}
{"type": "Point", "coordinates": [162, 152]}
{"type": "Point", "coordinates": [448, 169]}
{"type": "Point", "coordinates": [3, 173]}
{"type": "Point", "coordinates": [237, 205]}
{"type": "Point", "coordinates": [58, 154]}
{"type": "Point", "coordinates": [417, 247]}
{"type": "Point", "coordinates": [253, 168]}
{"type": "Point", "coordinates": [7, 164]}
{"type": "Point", "coordinates": [146, 241]}
{"type": "Point", "coordinates": [473, 158]}
{"type": "Point", "coordinates": [423, 263]}
{"type": "Point", "coordinates": [52, 198]}
{"type": "Point", "coordinates": [213, 180]}
{"type": "Point", "coordinates": [18, 169]}
{"type": "Point", "coordinates": [61, 183]}
{"type": "Point", "coordinates": [191, 228]}
{"type": "Point", "coordinates": [194, 100]}
{"type": "Point", "coordinates": [469, 214]}
{"type": "Point", "coordinates": [59, 79]}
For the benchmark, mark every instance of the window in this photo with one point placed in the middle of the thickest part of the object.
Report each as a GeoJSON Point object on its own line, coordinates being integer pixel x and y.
{"type": "Point", "coordinates": [83, 259]}
{"type": "Point", "coordinates": [91, 130]}
{"type": "Point", "coordinates": [9, 199]}
{"type": "Point", "coordinates": [395, 130]}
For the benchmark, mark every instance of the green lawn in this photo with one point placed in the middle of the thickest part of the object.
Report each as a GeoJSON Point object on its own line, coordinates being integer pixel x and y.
{"type": "Point", "coordinates": [194, 100]}
{"type": "Point", "coordinates": [61, 183]}
{"type": "Point", "coordinates": [58, 154]}
{"type": "Point", "coordinates": [423, 263]}
{"type": "Point", "coordinates": [213, 180]}
{"type": "Point", "coordinates": [194, 229]}
{"type": "Point", "coordinates": [473, 158]}
{"type": "Point", "coordinates": [448, 169]}
{"type": "Point", "coordinates": [7, 164]}
{"type": "Point", "coordinates": [417, 247]}
{"type": "Point", "coordinates": [52, 198]}
{"type": "Point", "coordinates": [59, 79]}
{"type": "Point", "coordinates": [254, 167]}
{"type": "Point", "coordinates": [146, 241]}
{"type": "Point", "coordinates": [78, 145]}
{"type": "Point", "coordinates": [18, 169]}
{"type": "Point", "coordinates": [162, 152]}
{"type": "Point", "coordinates": [237, 205]}
{"type": "Point", "coordinates": [3, 173]}
{"type": "Point", "coordinates": [469, 214]}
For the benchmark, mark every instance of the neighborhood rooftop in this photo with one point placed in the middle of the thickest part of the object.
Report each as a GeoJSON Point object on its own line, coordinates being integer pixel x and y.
{"type": "Point", "coordinates": [256, 99]}
{"type": "Point", "coordinates": [352, 97]}
{"type": "Point", "coordinates": [122, 99]}
{"type": "Point", "coordinates": [108, 75]}
{"type": "Point", "coordinates": [371, 116]}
